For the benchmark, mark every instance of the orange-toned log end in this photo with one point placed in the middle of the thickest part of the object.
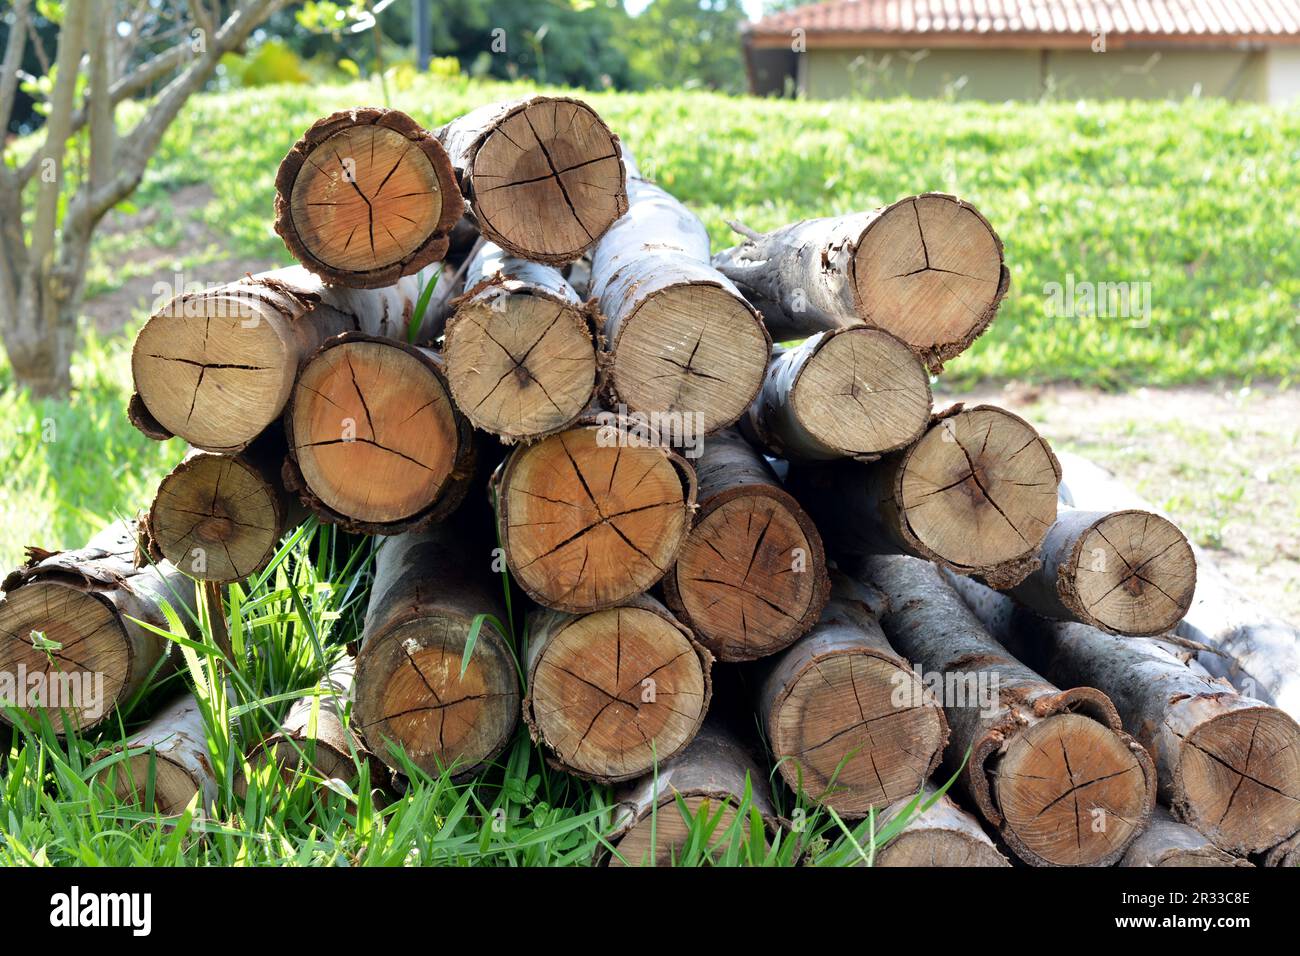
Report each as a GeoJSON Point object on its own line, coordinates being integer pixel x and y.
{"type": "Point", "coordinates": [547, 181]}
{"type": "Point", "coordinates": [616, 690]}
{"type": "Point", "coordinates": [365, 197]}
{"type": "Point", "coordinates": [157, 782]}
{"type": "Point", "coordinates": [930, 270]}
{"type": "Point", "coordinates": [592, 516]}
{"type": "Point", "coordinates": [373, 430]}
{"type": "Point", "coordinates": [410, 693]}
{"type": "Point", "coordinates": [1072, 792]}
{"type": "Point", "coordinates": [62, 651]}
{"type": "Point", "coordinates": [671, 834]}
{"type": "Point", "coordinates": [751, 576]}
{"type": "Point", "coordinates": [216, 518]}
{"type": "Point", "coordinates": [845, 734]}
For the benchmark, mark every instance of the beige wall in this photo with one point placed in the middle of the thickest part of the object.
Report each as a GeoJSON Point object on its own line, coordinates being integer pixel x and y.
{"type": "Point", "coordinates": [1028, 74]}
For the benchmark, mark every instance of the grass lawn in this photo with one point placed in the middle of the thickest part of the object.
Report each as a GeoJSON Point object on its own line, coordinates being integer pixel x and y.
{"type": "Point", "coordinates": [1201, 200]}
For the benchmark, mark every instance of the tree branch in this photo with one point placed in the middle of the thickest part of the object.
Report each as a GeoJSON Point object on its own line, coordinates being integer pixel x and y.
{"type": "Point", "coordinates": [103, 132]}
{"type": "Point", "coordinates": [13, 59]}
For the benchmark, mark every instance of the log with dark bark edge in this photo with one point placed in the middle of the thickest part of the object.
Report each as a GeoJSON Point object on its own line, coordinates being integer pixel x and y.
{"type": "Point", "coordinates": [1051, 769]}
{"type": "Point", "coordinates": [365, 197]}
{"type": "Point", "coordinates": [375, 442]}
{"type": "Point", "coordinates": [221, 517]}
{"type": "Point", "coordinates": [856, 392]}
{"type": "Point", "coordinates": [944, 835]}
{"type": "Point", "coordinates": [543, 175]}
{"type": "Point", "coordinates": [845, 716]}
{"type": "Point", "coordinates": [751, 576]}
{"type": "Point", "coordinates": [1125, 572]}
{"type": "Point", "coordinates": [1286, 853]}
{"type": "Point", "coordinates": [1226, 764]}
{"type": "Point", "coordinates": [927, 268]}
{"type": "Point", "coordinates": [683, 339]}
{"type": "Point", "coordinates": [593, 515]}
{"type": "Point", "coordinates": [613, 692]}
{"type": "Point", "coordinates": [1166, 842]}
{"type": "Point", "coordinates": [87, 602]}
{"type": "Point", "coordinates": [174, 765]}
{"type": "Point", "coordinates": [976, 493]}
{"type": "Point", "coordinates": [520, 348]}
{"type": "Point", "coordinates": [1257, 651]}
{"type": "Point", "coordinates": [429, 586]}
{"type": "Point", "coordinates": [217, 367]}
{"type": "Point", "coordinates": [710, 776]}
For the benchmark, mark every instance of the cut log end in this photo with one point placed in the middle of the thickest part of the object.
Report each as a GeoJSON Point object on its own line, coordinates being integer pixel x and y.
{"type": "Point", "coordinates": [373, 429]}
{"type": "Point", "coordinates": [862, 393]}
{"type": "Point", "coordinates": [548, 181]}
{"type": "Point", "coordinates": [691, 349]}
{"type": "Point", "coordinates": [74, 642]}
{"type": "Point", "coordinates": [366, 197]}
{"type": "Point", "coordinates": [617, 690]}
{"type": "Point", "coordinates": [979, 490]}
{"type": "Point", "coordinates": [520, 365]}
{"type": "Point", "coordinates": [929, 269]}
{"type": "Point", "coordinates": [592, 516]}
{"type": "Point", "coordinates": [662, 847]}
{"type": "Point", "coordinates": [1071, 792]}
{"type": "Point", "coordinates": [1132, 572]}
{"type": "Point", "coordinates": [157, 782]}
{"type": "Point", "coordinates": [216, 518]}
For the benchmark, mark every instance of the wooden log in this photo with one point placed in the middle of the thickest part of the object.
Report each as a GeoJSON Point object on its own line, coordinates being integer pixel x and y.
{"type": "Point", "coordinates": [927, 268]}
{"type": "Point", "coordinates": [365, 197]}
{"type": "Point", "coordinates": [1253, 648]}
{"type": "Point", "coordinates": [1286, 853]}
{"type": "Point", "coordinates": [1051, 769]}
{"type": "Point", "coordinates": [1124, 572]}
{"type": "Point", "coordinates": [683, 339]}
{"type": "Point", "coordinates": [1226, 764]}
{"type": "Point", "coordinates": [221, 517]}
{"type": "Point", "coordinates": [593, 515]}
{"type": "Point", "coordinates": [542, 175]}
{"type": "Point", "coordinates": [975, 494]}
{"type": "Point", "coordinates": [944, 835]}
{"type": "Point", "coordinates": [751, 576]}
{"type": "Point", "coordinates": [853, 392]}
{"type": "Point", "coordinates": [847, 720]}
{"type": "Point", "coordinates": [217, 367]}
{"type": "Point", "coordinates": [1166, 842]}
{"type": "Point", "coordinates": [614, 692]}
{"type": "Point", "coordinates": [172, 766]}
{"type": "Point", "coordinates": [429, 587]}
{"type": "Point", "coordinates": [375, 443]}
{"type": "Point", "coordinates": [711, 775]}
{"type": "Point", "coordinates": [520, 348]}
{"type": "Point", "coordinates": [91, 654]}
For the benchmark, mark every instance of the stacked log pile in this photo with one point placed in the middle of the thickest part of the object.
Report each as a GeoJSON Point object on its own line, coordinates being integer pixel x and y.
{"type": "Point", "coordinates": [590, 399]}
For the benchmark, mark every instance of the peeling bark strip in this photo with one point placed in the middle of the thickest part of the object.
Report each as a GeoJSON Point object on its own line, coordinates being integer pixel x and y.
{"type": "Point", "coordinates": [683, 338]}
{"type": "Point", "coordinates": [1259, 652]}
{"type": "Point", "coordinates": [365, 197]}
{"type": "Point", "coordinates": [375, 444]}
{"type": "Point", "coordinates": [1125, 572]}
{"type": "Point", "coordinates": [83, 602]}
{"type": "Point", "coordinates": [848, 721]}
{"type": "Point", "coordinates": [429, 586]}
{"type": "Point", "coordinates": [614, 692]}
{"type": "Point", "coordinates": [221, 517]}
{"type": "Point", "coordinates": [751, 577]}
{"type": "Point", "coordinates": [976, 494]}
{"type": "Point", "coordinates": [855, 392]}
{"type": "Point", "coordinates": [1227, 764]}
{"type": "Point", "coordinates": [1286, 853]}
{"type": "Point", "coordinates": [520, 348]}
{"type": "Point", "coordinates": [543, 175]}
{"type": "Point", "coordinates": [174, 766]}
{"type": "Point", "coordinates": [944, 835]}
{"type": "Point", "coordinates": [927, 268]}
{"type": "Point", "coordinates": [592, 516]}
{"type": "Point", "coordinates": [1166, 842]}
{"type": "Point", "coordinates": [709, 775]}
{"type": "Point", "coordinates": [1051, 769]}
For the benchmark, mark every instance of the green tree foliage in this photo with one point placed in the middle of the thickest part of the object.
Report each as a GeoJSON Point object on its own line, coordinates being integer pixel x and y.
{"type": "Point", "coordinates": [688, 43]}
